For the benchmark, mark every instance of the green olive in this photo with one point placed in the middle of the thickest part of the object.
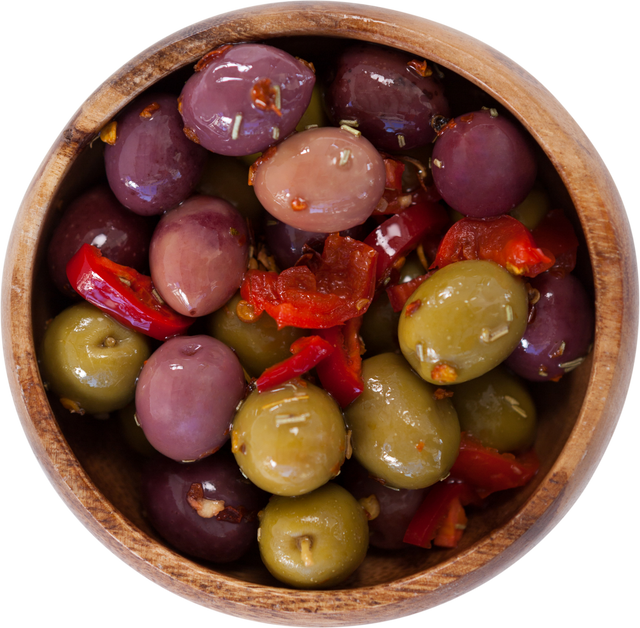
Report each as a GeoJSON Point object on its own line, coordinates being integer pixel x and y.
{"type": "Point", "coordinates": [227, 178]}
{"type": "Point", "coordinates": [533, 209]}
{"type": "Point", "coordinates": [314, 113]}
{"type": "Point", "coordinates": [132, 432]}
{"type": "Point", "coordinates": [463, 321]}
{"type": "Point", "coordinates": [258, 344]}
{"type": "Point", "coordinates": [497, 409]}
{"type": "Point", "coordinates": [313, 541]}
{"type": "Point", "coordinates": [289, 440]}
{"type": "Point", "coordinates": [91, 361]}
{"type": "Point", "coordinates": [402, 433]}
{"type": "Point", "coordinates": [379, 329]}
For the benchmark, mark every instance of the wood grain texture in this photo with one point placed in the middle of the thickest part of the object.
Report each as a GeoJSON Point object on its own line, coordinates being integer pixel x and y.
{"type": "Point", "coordinates": [97, 478]}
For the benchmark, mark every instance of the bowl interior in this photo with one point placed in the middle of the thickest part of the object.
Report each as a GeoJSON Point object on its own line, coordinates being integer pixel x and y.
{"type": "Point", "coordinates": [115, 468]}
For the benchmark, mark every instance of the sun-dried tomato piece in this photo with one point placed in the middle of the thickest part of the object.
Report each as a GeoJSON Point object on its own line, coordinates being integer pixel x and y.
{"type": "Point", "coordinates": [420, 67]}
{"type": "Point", "coordinates": [266, 96]}
{"type": "Point", "coordinates": [149, 110]}
{"type": "Point", "coordinates": [211, 56]}
{"type": "Point", "coordinates": [253, 168]}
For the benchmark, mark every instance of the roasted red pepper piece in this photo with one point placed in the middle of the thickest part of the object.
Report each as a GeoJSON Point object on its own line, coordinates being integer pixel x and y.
{"type": "Point", "coordinates": [307, 351]}
{"type": "Point", "coordinates": [504, 240]}
{"type": "Point", "coordinates": [399, 293]}
{"type": "Point", "coordinates": [555, 233]}
{"type": "Point", "coordinates": [433, 511]}
{"type": "Point", "coordinates": [341, 373]}
{"type": "Point", "coordinates": [487, 470]}
{"type": "Point", "coordinates": [124, 294]}
{"type": "Point", "coordinates": [401, 233]}
{"type": "Point", "coordinates": [327, 291]}
{"type": "Point", "coordinates": [452, 528]}
{"type": "Point", "coordinates": [393, 170]}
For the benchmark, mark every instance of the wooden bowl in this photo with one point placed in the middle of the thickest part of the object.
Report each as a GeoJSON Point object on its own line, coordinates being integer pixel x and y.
{"type": "Point", "coordinates": [96, 478]}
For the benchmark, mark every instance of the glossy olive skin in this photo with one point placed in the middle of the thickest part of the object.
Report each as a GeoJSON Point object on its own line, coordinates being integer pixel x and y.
{"type": "Point", "coordinates": [199, 252]}
{"type": "Point", "coordinates": [497, 409]}
{"type": "Point", "coordinates": [329, 521]}
{"type": "Point", "coordinates": [259, 344]}
{"type": "Point", "coordinates": [379, 330]}
{"type": "Point", "coordinates": [92, 360]}
{"type": "Point", "coordinates": [165, 488]}
{"type": "Point", "coordinates": [471, 316]}
{"type": "Point", "coordinates": [322, 180]}
{"type": "Point", "coordinates": [289, 440]}
{"type": "Point", "coordinates": [401, 433]}
{"type": "Point", "coordinates": [397, 506]}
{"type": "Point", "coordinates": [187, 394]}
{"type": "Point", "coordinates": [97, 217]}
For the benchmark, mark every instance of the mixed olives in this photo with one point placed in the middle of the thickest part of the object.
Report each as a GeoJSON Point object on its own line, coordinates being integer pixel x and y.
{"type": "Point", "coordinates": [271, 189]}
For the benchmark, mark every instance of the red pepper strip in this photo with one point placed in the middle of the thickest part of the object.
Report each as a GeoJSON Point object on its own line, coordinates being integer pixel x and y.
{"type": "Point", "coordinates": [433, 510]}
{"type": "Point", "coordinates": [452, 528]}
{"type": "Point", "coordinates": [555, 232]}
{"type": "Point", "coordinates": [341, 373]}
{"type": "Point", "coordinates": [400, 293]}
{"type": "Point", "coordinates": [124, 294]}
{"type": "Point", "coordinates": [307, 353]}
{"type": "Point", "coordinates": [401, 233]}
{"type": "Point", "coordinates": [329, 290]}
{"type": "Point", "coordinates": [504, 240]}
{"type": "Point", "coordinates": [488, 471]}
{"type": "Point", "coordinates": [393, 170]}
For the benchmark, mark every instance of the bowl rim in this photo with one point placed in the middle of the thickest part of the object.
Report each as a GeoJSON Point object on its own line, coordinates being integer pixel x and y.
{"type": "Point", "coordinates": [609, 243]}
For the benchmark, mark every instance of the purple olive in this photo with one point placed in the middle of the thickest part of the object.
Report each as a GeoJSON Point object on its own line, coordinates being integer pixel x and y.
{"type": "Point", "coordinates": [186, 396]}
{"type": "Point", "coordinates": [205, 509]}
{"type": "Point", "coordinates": [483, 165]}
{"type": "Point", "coordinates": [389, 94]}
{"type": "Point", "coordinates": [322, 180]}
{"type": "Point", "coordinates": [397, 506]}
{"type": "Point", "coordinates": [199, 252]}
{"type": "Point", "coordinates": [245, 98]}
{"type": "Point", "coordinates": [558, 338]}
{"type": "Point", "coordinates": [152, 166]}
{"type": "Point", "coordinates": [96, 217]}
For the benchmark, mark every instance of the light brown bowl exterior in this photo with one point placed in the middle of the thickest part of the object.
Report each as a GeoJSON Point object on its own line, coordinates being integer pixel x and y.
{"type": "Point", "coordinates": [389, 587]}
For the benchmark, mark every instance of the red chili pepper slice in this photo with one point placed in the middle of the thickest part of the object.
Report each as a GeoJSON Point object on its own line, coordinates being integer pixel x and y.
{"type": "Point", "coordinates": [488, 471]}
{"type": "Point", "coordinates": [504, 240]}
{"type": "Point", "coordinates": [433, 511]}
{"type": "Point", "coordinates": [341, 373]}
{"type": "Point", "coordinates": [401, 233]}
{"type": "Point", "coordinates": [124, 294]}
{"type": "Point", "coordinates": [555, 233]}
{"type": "Point", "coordinates": [307, 351]}
{"type": "Point", "coordinates": [393, 170]}
{"type": "Point", "coordinates": [328, 290]}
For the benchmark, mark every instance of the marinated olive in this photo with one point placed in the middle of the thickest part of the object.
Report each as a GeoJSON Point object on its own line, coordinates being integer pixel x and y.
{"type": "Point", "coordinates": [558, 336]}
{"type": "Point", "coordinates": [322, 180]}
{"type": "Point", "coordinates": [289, 440]}
{"type": "Point", "coordinates": [389, 510]}
{"type": "Point", "coordinates": [91, 361]}
{"type": "Point", "coordinates": [245, 97]}
{"type": "Point", "coordinates": [313, 541]}
{"type": "Point", "coordinates": [258, 344]}
{"type": "Point", "coordinates": [533, 209]}
{"type": "Point", "coordinates": [205, 509]}
{"type": "Point", "coordinates": [186, 396]}
{"type": "Point", "coordinates": [227, 178]}
{"type": "Point", "coordinates": [96, 217]}
{"type": "Point", "coordinates": [402, 431]}
{"type": "Point", "coordinates": [152, 166]}
{"type": "Point", "coordinates": [497, 409]}
{"type": "Point", "coordinates": [379, 329]}
{"type": "Point", "coordinates": [463, 321]}
{"type": "Point", "coordinates": [198, 255]}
